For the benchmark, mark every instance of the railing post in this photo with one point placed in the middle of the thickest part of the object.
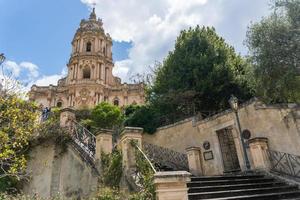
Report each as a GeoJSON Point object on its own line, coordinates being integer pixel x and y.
{"type": "Point", "coordinates": [130, 134]}
{"type": "Point", "coordinates": [194, 160]}
{"type": "Point", "coordinates": [103, 143]}
{"type": "Point", "coordinates": [172, 185]}
{"type": "Point", "coordinates": [67, 115]}
{"type": "Point", "coordinates": [258, 150]}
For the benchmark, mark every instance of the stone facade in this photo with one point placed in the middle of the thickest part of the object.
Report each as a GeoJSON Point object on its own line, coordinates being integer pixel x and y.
{"type": "Point", "coordinates": [280, 124]}
{"type": "Point", "coordinates": [90, 79]}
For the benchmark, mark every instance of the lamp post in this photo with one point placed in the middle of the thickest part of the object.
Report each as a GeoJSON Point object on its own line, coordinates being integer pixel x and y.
{"type": "Point", "coordinates": [2, 58]}
{"type": "Point", "coordinates": [234, 104]}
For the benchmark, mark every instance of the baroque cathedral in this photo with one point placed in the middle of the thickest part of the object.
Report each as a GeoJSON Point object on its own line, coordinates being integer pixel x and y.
{"type": "Point", "coordinates": [89, 80]}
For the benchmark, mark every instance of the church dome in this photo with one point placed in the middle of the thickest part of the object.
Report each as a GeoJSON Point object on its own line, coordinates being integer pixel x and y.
{"type": "Point", "coordinates": [91, 25]}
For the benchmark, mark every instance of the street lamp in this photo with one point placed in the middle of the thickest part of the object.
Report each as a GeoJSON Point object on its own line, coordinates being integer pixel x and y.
{"type": "Point", "coordinates": [2, 58]}
{"type": "Point", "coordinates": [234, 104]}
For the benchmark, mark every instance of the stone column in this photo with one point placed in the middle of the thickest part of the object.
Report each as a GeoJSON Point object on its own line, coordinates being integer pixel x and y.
{"type": "Point", "coordinates": [129, 134]}
{"type": "Point", "coordinates": [194, 160]}
{"type": "Point", "coordinates": [66, 117]}
{"type": "Point", "coordinates": [103, 143]}
{"type": "Point", "coordinates": [172, 185]}
{"type": "Point", "coordinates": [260, 158]}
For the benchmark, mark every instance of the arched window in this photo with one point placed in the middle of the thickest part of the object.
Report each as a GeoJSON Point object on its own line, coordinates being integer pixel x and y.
{"type": "Point", "coordinates": [86, 73]}
{"type": "Point", "coordinates": [89, 47]}
{"type": "Point", "coordinates": [59, 104]}
{"type": "Point", "coordinates": [116, 102]}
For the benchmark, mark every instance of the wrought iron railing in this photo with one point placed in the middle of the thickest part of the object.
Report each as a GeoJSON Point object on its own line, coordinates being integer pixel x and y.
{"type": "Point", "coordinates": [166, 159]}
{"type": "Point", "coordinates": [84, 139]}
{"type": "Point", "coordinates": [284, 163]}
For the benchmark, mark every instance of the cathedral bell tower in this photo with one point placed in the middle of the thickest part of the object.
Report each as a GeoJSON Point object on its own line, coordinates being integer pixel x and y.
{"type": "Point", "coordinates": [91, 57]}
{"type": "Point", "coordinates": [89, 80]}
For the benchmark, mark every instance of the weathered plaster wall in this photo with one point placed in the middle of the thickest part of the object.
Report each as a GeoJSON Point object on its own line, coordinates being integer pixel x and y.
{"type": "Point", "coordinates": [279, 124]}
{"type": "Point", "coordinates": [177, 137]}
{"type": "Point", "coordinates": [40, 168]}
{"type": "Point", "coordinates": [53, 171]}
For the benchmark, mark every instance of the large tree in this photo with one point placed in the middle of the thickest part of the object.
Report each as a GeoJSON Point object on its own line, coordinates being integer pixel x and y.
{"type": "Point", "coordinates": [200, 74]}
{"type": "Point", "coordinates": [17, 124]}
{"type": "Point", "coordinates": [274, 45]}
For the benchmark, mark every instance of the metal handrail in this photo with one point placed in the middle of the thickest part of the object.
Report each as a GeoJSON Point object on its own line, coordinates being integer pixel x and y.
{"type": "Point", "coordinates": [284, 163]}
{"type": "Point", "coordinates": [145, 156]}
{"type": "Point", "coordinates": [84, 140]}
{"type": "Point", "coordinates": [166, 158]}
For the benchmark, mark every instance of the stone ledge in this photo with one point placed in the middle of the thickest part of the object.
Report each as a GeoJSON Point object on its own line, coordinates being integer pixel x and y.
{"type": "Point", "coordinates": [176, 123]}
{"type": "Point", "coordinates": [174, 176]}
{"type": "Point", "coordinates": [105, 131]}
{"type": "Point", "coordinates": [132, 130]}
{"type": "Point", "coordinates": [258, 139]}
{"type": "Point", "coordinates": [69, 109]}
{"type": "Point", "coordinates": [193, 148]}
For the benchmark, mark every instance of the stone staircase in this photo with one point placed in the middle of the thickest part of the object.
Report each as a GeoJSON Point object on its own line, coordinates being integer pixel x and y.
{"type": "Point", "coordinates": [240, 187]}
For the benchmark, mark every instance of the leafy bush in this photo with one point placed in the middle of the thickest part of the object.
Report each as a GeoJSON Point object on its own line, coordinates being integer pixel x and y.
{"type": "Point", "coordinates": [83, 114]}
{"type": "Point", "coordinates": [107, 193]}
{"type": "Point", "coordinates": [146, 177]}
{"type": "Point", "coordinates": [17, 124]}
{"type": "Point", "coordinates": [106, 115]}
{"type": "Point", "coordinates": [111, 168]}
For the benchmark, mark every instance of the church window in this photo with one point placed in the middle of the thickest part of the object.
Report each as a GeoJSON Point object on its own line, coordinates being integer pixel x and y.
{"type": "Point", "coordinates": [59, 104]}
{"type": "Point", "coordinates": [116, 102]}
{"type": "Point", "coordinates": [86, 73]}
{"type": "Point", "coordinates": [89, 47]}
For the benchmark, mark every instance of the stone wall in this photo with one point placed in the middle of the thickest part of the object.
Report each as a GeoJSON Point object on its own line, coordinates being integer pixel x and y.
{"type": "Point", "coordinates": [54, 171]}
{"type": "Point", "coordinates": [280, 124]}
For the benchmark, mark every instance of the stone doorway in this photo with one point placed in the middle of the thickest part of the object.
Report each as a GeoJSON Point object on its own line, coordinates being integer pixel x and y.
{"type": "Point", "coordinates": [228, 151]}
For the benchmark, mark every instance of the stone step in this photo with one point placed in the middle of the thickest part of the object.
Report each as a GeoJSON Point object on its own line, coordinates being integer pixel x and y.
{"type": "Point", "coordinates": [229, 182]}
{"type": "Point", "coordinates": [270, 196]}
{"type": "Point", "coordinates": [229, 177]}
{"type": "Point", "coordinates": [234, 187]}
{"type": "Point", "coordinates": [249, 191]}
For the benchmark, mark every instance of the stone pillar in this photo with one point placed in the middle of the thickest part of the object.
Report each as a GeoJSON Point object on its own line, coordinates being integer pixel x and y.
{"type": "Point", "coordinates": [103, 143]}
{"type": "Point", "coordinates": [66, 117]}
{"type": "Point", "coordinates": [194, 160]}
{"type": "Point", "coordinates": [260, 158]}
{"type": "Point", "coordinates": [129, 134]}
{"type": "Point", "coordinates": [171, 185]}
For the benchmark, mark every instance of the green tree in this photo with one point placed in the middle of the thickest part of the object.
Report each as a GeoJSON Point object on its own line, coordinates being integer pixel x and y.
{"type": "Point", "coordinates": [199, 74]}
{"type": "Point", "coordinates": [17, 124]}
{"type": "Point", "coordinates": [274, 45]}
{"type": "Point", "coordinates": [105, 115]}
{"type": "Point", "coordinates": [143, 116]}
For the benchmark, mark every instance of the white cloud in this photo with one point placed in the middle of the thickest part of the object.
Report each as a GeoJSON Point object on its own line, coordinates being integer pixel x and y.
{"type": "Point", "coordinates": [152, 26]}
{"type": "Point", "coordinates": [32, 68]}
{"type": "Point", "coordinates": [27, 74]}
{"type": "Point", "coordinates": [51, 79]}
{"type": "Point", "coordinates": [12, 68]}
{"type": "Point", "coordinates": [16, 70]}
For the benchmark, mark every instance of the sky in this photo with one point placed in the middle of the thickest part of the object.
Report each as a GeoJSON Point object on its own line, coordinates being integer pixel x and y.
{"type": "Point", "coordinates": [36, 35]}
